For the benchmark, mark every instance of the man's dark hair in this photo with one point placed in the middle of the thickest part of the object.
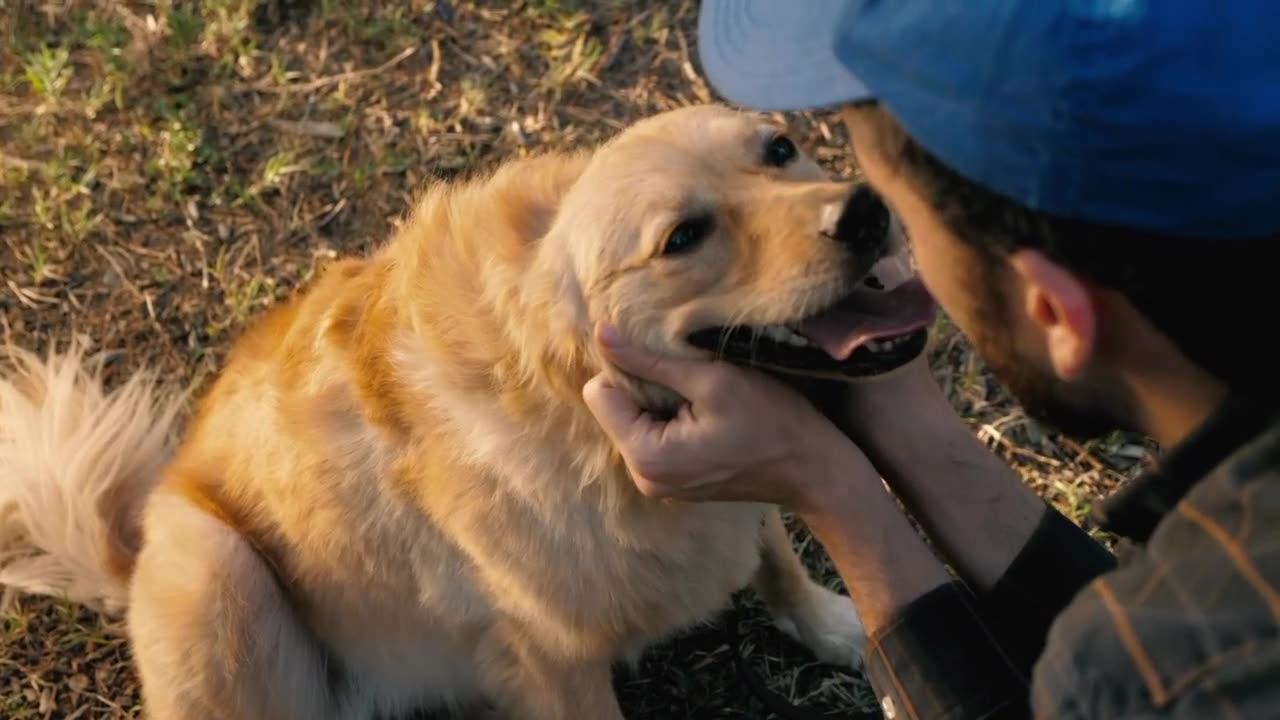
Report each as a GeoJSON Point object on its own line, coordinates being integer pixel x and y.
{"type": "Point", "coordinates": [1212, 298]}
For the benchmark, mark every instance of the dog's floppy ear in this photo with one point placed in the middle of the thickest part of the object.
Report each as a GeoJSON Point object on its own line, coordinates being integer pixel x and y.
{"type": "Point", "coordinates": [530, 198]}
{"type": "Point", "coordinates": [528, 191]}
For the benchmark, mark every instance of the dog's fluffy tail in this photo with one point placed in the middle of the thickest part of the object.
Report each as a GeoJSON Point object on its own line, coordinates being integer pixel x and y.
{"type": "Point", "coordinates": [76, 464]}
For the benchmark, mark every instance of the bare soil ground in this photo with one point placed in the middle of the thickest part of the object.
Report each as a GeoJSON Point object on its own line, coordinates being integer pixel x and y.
{"type": "Point", "coordinates": [169, 169]}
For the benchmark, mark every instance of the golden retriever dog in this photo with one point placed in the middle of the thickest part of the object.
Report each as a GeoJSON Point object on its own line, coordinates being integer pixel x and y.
{"type": "Point", "coordinates": [393, 497]}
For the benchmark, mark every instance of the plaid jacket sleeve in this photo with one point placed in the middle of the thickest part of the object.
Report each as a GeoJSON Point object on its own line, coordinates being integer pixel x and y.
{"type": "Point", "coordinates": [939, 660]}
{"type": "Point", "coordinates": [956, 655]}
{"type": "Point", "coordinates": [1185, 624]}
{"type": "Point", "coordinates": [1189, 625]}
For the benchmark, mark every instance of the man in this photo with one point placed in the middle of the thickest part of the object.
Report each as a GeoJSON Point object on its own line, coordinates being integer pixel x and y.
{"type": "Point", "coordinates": [1092, 193]}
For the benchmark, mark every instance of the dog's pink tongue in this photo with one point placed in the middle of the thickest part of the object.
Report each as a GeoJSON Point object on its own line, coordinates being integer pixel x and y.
{"type": "Point", "coordinates": [868, 314]}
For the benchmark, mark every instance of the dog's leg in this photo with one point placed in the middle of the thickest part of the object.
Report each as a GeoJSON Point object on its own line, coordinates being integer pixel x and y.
{"type": "Point", "coordinates": [823, 620]}
{"type": "Point", "coordinates": [213, 636]}
{"type": "Point", "coordinates": [529, 683]}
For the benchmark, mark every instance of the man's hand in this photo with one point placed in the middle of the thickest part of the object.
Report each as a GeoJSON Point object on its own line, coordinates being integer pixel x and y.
{"type": "Point", "coordinates": [742, 436]}
{"type": "Point", "coordinates": [746, 437]}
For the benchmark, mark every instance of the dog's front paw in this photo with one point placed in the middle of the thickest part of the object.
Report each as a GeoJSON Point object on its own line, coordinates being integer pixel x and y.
{"type": "Point", "coordinates": [828, 624]}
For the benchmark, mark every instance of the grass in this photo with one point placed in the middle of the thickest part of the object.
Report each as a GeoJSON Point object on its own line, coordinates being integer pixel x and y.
{"type": "Point", "coordinates": [168, 170]}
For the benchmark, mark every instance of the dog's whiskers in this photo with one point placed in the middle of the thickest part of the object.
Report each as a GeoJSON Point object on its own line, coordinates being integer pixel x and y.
{"type": "Point", "coordinates": [813, 294]}
{"type": "Point", "coordinates": [733, 321]}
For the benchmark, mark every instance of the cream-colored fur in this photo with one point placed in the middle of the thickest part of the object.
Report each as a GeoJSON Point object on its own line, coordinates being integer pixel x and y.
{"type": "Point", "coordinates": [76, 464]}
{"type": "Point", "coordinates": [393, 497]}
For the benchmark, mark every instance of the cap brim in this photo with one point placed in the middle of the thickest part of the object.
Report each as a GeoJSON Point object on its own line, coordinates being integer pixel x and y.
{"type": "Point", "coordinates": [776, 55]}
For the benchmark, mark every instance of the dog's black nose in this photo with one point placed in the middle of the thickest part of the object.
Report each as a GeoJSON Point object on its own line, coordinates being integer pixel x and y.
{"type": "Point", "coordinates": [864, 223]}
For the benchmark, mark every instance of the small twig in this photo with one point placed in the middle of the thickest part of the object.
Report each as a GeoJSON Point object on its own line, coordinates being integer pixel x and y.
{"type": "Point", "coordinates": [124, 278]}
{"type": "Point", "coordinates": [30, 298]}
{"type": "Point", "coordinates": [433, 73]}
{"type": "Point", "coordinates": [325, 217]}
{"type": "Point", "coordinates": [310, 128]}
{"type": "Point", "coordinates": [332, 79]}
{"type": "Point", "coordinates": [993, 431]}
{"type": "Point", "coordinates": [686, 66]}
{"type": "Point", "coordinates": [1029, 454]}
{"type": "Point", "coordinates": [1082, 453]}
{"type": "Point", "coordinates": [21, 163]}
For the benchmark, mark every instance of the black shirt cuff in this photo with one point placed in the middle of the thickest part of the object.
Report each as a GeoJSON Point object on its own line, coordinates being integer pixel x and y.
{"type": "Point", "coordinates": [937, 660]}
{"type": "Point", "coordinates": [1058, 560]}
{"type": "Point", "coordinates": [952, 656]}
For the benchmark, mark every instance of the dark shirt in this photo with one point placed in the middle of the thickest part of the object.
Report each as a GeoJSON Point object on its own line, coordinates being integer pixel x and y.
{"type": "Point", "coordinates": [1183, 621]}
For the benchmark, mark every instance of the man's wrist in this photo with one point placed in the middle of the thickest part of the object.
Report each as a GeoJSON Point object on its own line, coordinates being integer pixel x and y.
{"type": "Point", "coordinates": [827, 463]}
{"type": "Point", "coordinates": [973, 505]}
{"type": "Point", "coordinates": [885, 564]}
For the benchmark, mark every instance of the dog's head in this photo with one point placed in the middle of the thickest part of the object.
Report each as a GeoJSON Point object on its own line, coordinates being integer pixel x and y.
{"type": "Point", "coordinates": [708, 232]}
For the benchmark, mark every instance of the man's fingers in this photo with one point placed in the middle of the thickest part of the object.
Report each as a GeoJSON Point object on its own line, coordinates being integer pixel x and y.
{"type": "Point", "coordinates": [613, 407]}
{"type": "Point", "coordinates": [631, 429]}
{"type": "Point", "coordinates": [652, 489]}
{"type": "Point", "coordinates": [687, 377]}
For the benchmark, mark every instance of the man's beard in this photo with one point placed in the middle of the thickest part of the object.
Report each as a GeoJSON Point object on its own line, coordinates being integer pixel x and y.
{"type": "Point", "coordinates": [1086, 408]}
{"type": "Point", "coordinates": [1069, 408]}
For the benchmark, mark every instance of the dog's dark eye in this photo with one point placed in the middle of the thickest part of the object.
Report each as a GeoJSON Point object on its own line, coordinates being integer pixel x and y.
{"type": "Point", "coordinates": [688, 235]}
{"type": "Point", "coordinates": [780, 151]}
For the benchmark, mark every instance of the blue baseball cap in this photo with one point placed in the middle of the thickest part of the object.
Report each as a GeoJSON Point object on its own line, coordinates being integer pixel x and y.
{"type": "Point", "coordinates": [1159, 115]}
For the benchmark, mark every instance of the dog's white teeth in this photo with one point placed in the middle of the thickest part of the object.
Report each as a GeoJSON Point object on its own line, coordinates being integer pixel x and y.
{"type": "Point", "coordinates": [886, 343]}
{"type": "Point", "coordinates": [785, 335]}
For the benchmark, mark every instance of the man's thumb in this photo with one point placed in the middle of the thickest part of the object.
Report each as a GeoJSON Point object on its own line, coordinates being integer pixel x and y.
{"type": "Point", "coordinates": [643, 363]}
{"type": "Point", "coordinates": [612, 407]}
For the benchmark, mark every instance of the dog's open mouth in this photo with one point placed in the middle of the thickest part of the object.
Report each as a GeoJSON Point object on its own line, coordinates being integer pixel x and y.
{"type": "Point", "coordinates": [867, 332]}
